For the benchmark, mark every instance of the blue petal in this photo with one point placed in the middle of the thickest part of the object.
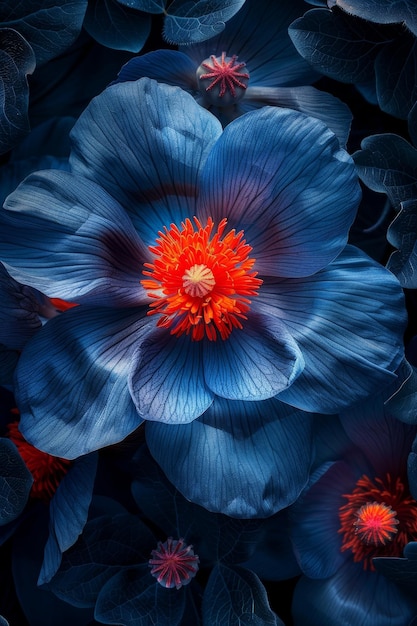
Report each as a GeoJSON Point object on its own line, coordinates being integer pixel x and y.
{"type": "Point", "coordinates": [324, 106]}
{"type": "Point", "coordinates": [167, 379]}
{"type": "Point", "coordinates": [145, 142]}
{"type": "Point", "coordinates": [349, 321]}
{"type": "Point", "coordinates": [67, 237]}
{"type": "Point", "coordinates": [314, 520]}
{"type": "Point", "coordinates": [68, 512]}
{"type": "Point", "coordinates": [258, 35]}
{"type": "Point", "coordinates": [254, 363]}
{"type": "Point", "coordinates": [166, 66]}
{"type": "Point", "coordinates": [264, 462]}
{"type": "Point", "coordinates": [374, 431]}
{"type": "Point", "coordinates": [76, 399]}
{"type": "Point", "coordinates": [216, 537]}
{"type": "Point", "coordinates": [282, 177]}
{"type": "Point", "coordinates": [352, 596]}
{"type": "Point", "coordinates": [19, 312]}
{"type": "Point", "coordinates": [13, 172]}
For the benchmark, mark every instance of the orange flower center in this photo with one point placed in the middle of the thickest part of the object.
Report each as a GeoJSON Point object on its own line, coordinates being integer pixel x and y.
{"type": "Point", "coordinates": [200, 280]}
{"type": "Point", "coordinates": [47, 470]}
{"type": "Point", "coordinates": [379, 519]}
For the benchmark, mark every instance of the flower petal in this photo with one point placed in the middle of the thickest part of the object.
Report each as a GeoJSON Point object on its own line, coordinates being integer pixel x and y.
{"type": "Point", "coordinates": [324, 106]}
{"type": "Point", "coordinates": [166, 66]}
{"type": "Point", "coordinates": [19, 312]}
{"type": "Point", "coordinates": [349, 321]}
{"type": "Point", "coordinates": [167, 379]}
{"type": "Point", "coordinates": [76, 399]}
{"type": "Point", "coordinates": [352, 596]}
{"type": "Point", "coordinates": [144, 142]}
{"type": "Point", "coordinates": [374, 431]}
{"type": "Point", "coordinates": [314, 520]}
{"type": "Point", "coordinates": [254, 363]}
{"type": "Point", "coordinates": [66, 236]}
{"type": "Point", "coordinates": [282, 178]}
{"type": "Point", "coordinates": [264, 462]}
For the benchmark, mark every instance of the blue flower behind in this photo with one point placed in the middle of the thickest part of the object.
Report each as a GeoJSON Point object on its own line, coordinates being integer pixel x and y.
{"type": "Point", "coordinates": [357, 507]}
{"type": "Point", "coordinates": [293, 312]}
{"type": "Point", "coordinates": [251, 64]}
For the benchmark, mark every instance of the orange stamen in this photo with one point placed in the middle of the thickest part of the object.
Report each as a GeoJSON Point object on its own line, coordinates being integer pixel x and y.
{"type": "Point", "coordinates": [379, 519]}
{"type": "Point", "coordinates": [47, 470]}
{"type": "Point", "coordinates": [200, 281]}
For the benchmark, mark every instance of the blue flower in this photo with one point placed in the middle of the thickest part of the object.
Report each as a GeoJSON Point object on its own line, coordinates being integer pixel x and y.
{"type": "Point", "coordinates": [205, 263]}
{"type": "Point", "coordinates": [250, 64]}
{"type": "Point", "coordinates": [356, 508]}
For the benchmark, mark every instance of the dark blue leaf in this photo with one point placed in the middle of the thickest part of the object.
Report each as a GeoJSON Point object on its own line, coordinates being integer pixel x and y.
{"type": "Point", "coordinates": [68, 512]}
{"type": "Point", "coordinates": [396, 76]}
{"type": "Point", "coordinates": [148, 6]}
{"type": "Point", "coordinates": [117, 26]}
{"type": "Point", "coordinates": [338, 46]}
{"type": "Point", "coordinates": [16, 62]}
{"type": "Point", "coordinates": [47, 146]}
{"type": "Point", "coordinates": [15, 482]}
{"type": "Point", "coordinates": [402, 571]}
{"type": "Point", "coordinates": [50, 26]}
{"type": "Point", "coordinates": [380, 12]}
{"type": "Point", "coordinates": [387, 163]}
{"type": "Point", "coordinates": [133, 598]}
{"type": "Point", "coordinates": [107, 544]}
{"type": "Point", "coordinates": [412, 124]}
{"type": "Point", "coordinates": [236, 597]}
{"type": "Point", "coordinates": [402, 234]}
{"type": "Point", "coordinates": [40, 606]}
{"type": "Point", "coordinates": [8, 363]}
{"type": "Point", "coordinates": [51, 137]}
{"type": "Point", "coordinates": [189, 22]}
{"type": "Point", "coordinates": [65, 85]}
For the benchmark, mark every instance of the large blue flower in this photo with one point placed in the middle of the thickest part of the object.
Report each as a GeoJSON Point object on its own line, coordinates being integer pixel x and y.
{"type": "Point", "coordinates": [357, 507]}
{"type": "Point", "coordinates": [236, 240]}
{"type": "Point", "coordinates": [250, 64]}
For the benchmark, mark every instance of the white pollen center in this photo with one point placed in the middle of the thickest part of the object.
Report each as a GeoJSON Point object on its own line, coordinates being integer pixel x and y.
{"type": "Point", "coordinates": [198, 281]}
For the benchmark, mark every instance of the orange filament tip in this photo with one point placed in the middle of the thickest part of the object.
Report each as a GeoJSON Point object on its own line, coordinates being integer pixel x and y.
{"type": "Point", "coordinates": [376, 523]}
{"type": "Point", "coordinates": [378, 519]}
{"type": "Point", "coordinates": [200, 279]}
